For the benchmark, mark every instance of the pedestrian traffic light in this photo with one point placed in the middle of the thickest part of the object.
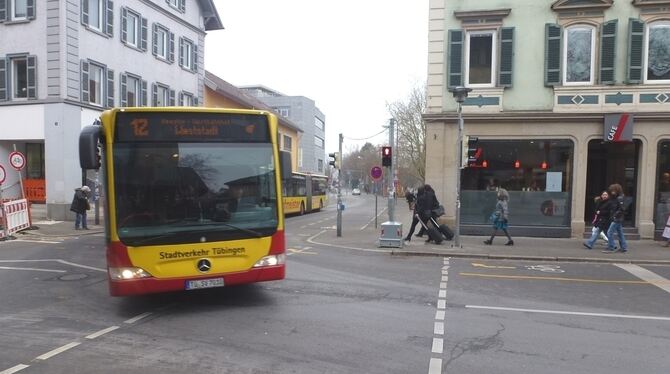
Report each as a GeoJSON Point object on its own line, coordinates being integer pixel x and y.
{"type": "Point", "coordinates": [470, 152]}
{"type": "Point", "coordinates": [335, 162]}
{"type": "Point", "coordinates": [386, 156]}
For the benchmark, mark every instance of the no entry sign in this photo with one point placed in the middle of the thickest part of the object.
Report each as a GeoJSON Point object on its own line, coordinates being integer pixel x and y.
{"type": "Point", "coordinates": [17, 160]}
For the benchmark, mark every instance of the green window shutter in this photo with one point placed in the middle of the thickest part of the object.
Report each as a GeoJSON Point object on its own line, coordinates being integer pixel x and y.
{"type": "Point", "coordinates": [154, 40]}
{"type": "Point", "coordinates": [195, 101]}
{"type": "Point", "coordinates": [30, 7]}
{"type": "Point", "coordinates": [3, 79]}
{"type": "Point", "coordinates": [154, 94]}
{"type": "Point", "coordinates": [32, 77]}
{"type": "Point", "coordinates": [124, 25]}
{"type": "Point", "coordinates": [124, 90]}
{"type": "Point", "coordinates": [145, 102]}
{"type": "Point", "coordinates": [455, 48]}
{"type": "Point", "coordinates": [145, 32]}
{"type": "Point", "coordinates": [110, 88]}
{"type": "Point", "coordinates": [172, 98]}
{"type": "Point", "coordinates": [635, 50]}
{"type": "Point", "coordinates": [181, 51]}
{"type": "Point", "coordinates": [552, 55]}
{"type": "Point", "coordinates": [506, 56]}
{"type": "Point", "coordinates": [171, 48]}
{"type": "Point", "coordinates": [608, 51]}
{"type": "Point", "coordinates": [109, 18]}
{"type": "Point", "coordinates": [195, 58]}
{"type": "Point", "coordinates": [182, 6]}
{"type": "Point", "coordinates": [181, 97]}
{"type": "Point", "coordinates": [3, 10]}
{"type": "Point", "coordinates": [84, 12]}
{"type": "Point", "coordinates": [84, 82]}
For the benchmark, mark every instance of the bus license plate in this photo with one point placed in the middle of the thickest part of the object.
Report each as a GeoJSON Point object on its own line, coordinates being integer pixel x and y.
{"type": "Point", "coordinates": [204, 283]}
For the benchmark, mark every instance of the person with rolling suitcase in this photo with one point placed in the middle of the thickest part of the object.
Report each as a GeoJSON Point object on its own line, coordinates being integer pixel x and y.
{"type": "Point", "coordinates": [426, 206]}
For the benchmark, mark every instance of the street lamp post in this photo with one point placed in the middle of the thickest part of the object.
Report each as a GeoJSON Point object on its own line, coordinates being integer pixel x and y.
{"type": "Point", "coordinates": [460, 94]}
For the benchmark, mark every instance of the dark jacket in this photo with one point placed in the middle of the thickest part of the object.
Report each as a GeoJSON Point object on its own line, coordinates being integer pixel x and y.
{"type": "Point", "coordinates": [618, 209]}
{"type": "Point", "coordinates": [425, 204]}
{"type": "Point", "coordinates": [79, 202]}
{"type": "Point", "coordinates": [604, 211]}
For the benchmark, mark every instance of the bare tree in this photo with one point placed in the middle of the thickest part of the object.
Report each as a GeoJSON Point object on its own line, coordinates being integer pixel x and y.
{"type": "Point", "coordinates": [411, 150]}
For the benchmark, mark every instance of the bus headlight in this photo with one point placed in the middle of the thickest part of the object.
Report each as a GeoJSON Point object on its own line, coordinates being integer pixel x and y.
{"type": "Point", "coordinates": [127, 273]}
{"type": "Point", "coordinates": [271, 261]}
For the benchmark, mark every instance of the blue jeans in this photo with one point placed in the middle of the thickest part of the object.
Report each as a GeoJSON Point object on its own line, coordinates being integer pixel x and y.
{"type": "Point", "coordinates": [80, 221]}
{"type": "Point", "coordinates": [618, 229]}
{"type": "Point", "coordinates": [594, 237]}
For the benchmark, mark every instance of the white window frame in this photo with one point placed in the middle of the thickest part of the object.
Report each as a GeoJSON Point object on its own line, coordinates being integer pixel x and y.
{"type": "Point", "coordinates": [319, 123]}
{"type": "Point", "coordinates": [319, 142]}
{"type": "Point", "coordinates": [101, 15]}
{"type": "Point", "coordinates": [494, 57]}
{"type": "Point", "coordinates": [564, 56]}
{"type": "Point", "coordinates": [13, 7]}
{"type": "Point", "coordinates": [135, 82]}
{"type": "Point", "coordinates": [162, 49]}
{"type": "Point", "coordinates": [135, 27]}
{"type": "Point", "coordinates": [187, 99]}
{"type": "Point", "coordinates": [290, 141]}
{"type": "Point", "coordinates": [162, 94]}
{"type": "Point", "coordinates": [98, 93]}
{"type": "Point", "coordinates": [319, 165]}
{"type": "Point", "coordinates": [187, 54]}
{"type": "Point", "coordinates": [14, 75]}
{"type": "Point", "coordinates": [645, 57]}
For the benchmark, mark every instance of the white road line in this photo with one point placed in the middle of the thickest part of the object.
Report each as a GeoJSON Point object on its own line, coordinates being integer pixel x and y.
{"type": "Point", "coordinates": [441, 304]}
{"type": "Point", "coordinates": [438, 345]}
{"type": "Point", "coordinates": [59, 261]}
{"type": "Point", "coordinates": [445, 278]}
{"type": "Point", "coordinates": [443, 284]}
{"type": "Point", "coordinates": [442, 294]}
{"type": "Point", "coordinates": [439, 315]}
{"type": "Point", "coordinates": [32, 269]}
{"type": "Point", "coordinates": [36, 241]}
{"type": "Point", "coordinates": [607, 315]}
{"type": "Point", "coordinates": [102, 332]}
{"type": "Point", "coordinates": [439, 328]}
{"type": "Point", "coordinates": [14, 369]}
{"type": "Point", "coordinates": [311, 240]}
{"type": "Point", "coordinates": [435, 366]}
{"type": "Point", "coordinates": [646, 276]}
{"type": "Point", "coordinates": [372, 220]}
{"type": "Point", "coordinates": [57, 351]}
{"type": "Point", "coordinates": [137, 318]}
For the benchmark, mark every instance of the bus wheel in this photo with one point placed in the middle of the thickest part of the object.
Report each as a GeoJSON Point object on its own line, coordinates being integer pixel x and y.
{"type": "Point", "coordinates": [302, 208]}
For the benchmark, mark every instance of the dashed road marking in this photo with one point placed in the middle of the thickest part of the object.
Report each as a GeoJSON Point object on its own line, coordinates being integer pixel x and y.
{"type": "Point", "coordinates": [137, 318]}
{"type": "Point", "coordinates": [435, 365]}
{"type": "Point", "coordinates": [56, 351]}
{"type": "Point", "coordinates": [32, 269]}
{"type": "Point", "coordinates": [14, 369]}
{"type": "Point", "coordinates": [586, 314]}
{"type": "Point", "coordinates": [101, 332]}
{"type": "Point", "coordinates": [646, 275]}
{"type": "Point", "coordinates": [525, 277]}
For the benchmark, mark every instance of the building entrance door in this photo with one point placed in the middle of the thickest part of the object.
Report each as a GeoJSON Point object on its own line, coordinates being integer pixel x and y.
{"type": "Point", "coordinates": [610, 163]}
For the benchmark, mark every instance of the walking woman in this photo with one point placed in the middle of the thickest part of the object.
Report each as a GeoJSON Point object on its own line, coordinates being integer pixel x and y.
{"type": "Point", "coordinates": [500, 217]}
{"type": "Point", "coordinates": [616, 227]}
{"type": "Point", "coordinates": [601, 221]}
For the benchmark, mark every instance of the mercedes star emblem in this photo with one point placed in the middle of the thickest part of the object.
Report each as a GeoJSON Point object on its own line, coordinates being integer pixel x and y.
{"type": "Point", "coordinates": [204, 265]}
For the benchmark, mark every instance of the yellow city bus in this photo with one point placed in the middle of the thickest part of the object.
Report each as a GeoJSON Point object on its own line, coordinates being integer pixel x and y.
{"type": "Point", "coordinates": [192, 197]}
{"type": "Point", "coordinates": [305, 193]}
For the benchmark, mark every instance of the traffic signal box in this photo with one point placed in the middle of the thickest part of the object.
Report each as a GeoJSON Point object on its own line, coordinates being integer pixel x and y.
{"type": "Point", "coordinates": [470, 153]}
{"type": "Point", "coordinates": [387, 157]}
{"type": "Point", "coordinates": [335, 162]}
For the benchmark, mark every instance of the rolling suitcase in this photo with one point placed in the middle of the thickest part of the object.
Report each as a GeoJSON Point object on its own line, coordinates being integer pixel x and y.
{"type": "Point", "coordinates": [443, 229]}
{"type": "Point", "coordinates": [433, 233]}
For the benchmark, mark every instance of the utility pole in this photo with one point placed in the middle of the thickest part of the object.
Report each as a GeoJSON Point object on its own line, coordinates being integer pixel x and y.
{"type": "Point", "coordinates": [339, 192]}
{"type": "Point", "coordinates": [391, 175]}
{"type": "Point", "coordinates": [460, 94]}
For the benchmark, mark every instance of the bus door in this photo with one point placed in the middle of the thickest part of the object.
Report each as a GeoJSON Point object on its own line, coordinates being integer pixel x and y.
{"type": "Point", "coordinates": [308, 202]}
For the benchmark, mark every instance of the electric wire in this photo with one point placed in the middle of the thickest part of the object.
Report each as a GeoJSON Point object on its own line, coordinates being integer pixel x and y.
{"type": "Point", "coordinates": [369, 137]}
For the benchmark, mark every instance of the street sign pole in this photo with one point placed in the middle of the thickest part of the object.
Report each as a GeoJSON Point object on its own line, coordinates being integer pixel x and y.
{"type": "Point", "coordinates": [339, 193]}
{"type": "Point", "coordinates": [23, 196]}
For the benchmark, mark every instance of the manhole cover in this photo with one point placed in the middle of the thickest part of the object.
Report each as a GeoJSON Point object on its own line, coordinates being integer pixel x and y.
{"type": "Point", "coordinates": [73, 277]}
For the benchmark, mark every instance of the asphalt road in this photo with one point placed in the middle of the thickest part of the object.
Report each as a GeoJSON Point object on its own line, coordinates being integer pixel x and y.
{"type": "Point", "coordinates": [339, 311]}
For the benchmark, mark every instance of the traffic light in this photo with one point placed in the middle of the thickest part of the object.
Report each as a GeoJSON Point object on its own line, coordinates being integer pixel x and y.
{"type": "Point", "coordinates": [386, 156]}
{"type": "Point", "coordinates": [470, 152]}
{"type": "Point", "coordinates": [335, 162]}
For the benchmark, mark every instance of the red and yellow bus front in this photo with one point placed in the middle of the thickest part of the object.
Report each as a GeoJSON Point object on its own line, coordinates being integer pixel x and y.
{"type": "Point", "coordinates": [194, 199]}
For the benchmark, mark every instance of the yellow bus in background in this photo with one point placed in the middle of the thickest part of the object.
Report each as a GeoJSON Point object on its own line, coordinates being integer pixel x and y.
{"type": "Point", "coordinates": [193, 197]}
{"type": "Point", "coordinates": [304, 193]}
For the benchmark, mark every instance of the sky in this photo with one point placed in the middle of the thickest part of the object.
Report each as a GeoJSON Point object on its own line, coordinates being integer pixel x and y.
{"type": "Point", "coordinates": [351, 57]}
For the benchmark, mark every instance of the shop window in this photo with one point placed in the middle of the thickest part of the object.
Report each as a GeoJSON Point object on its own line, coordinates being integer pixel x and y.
{"type": "Point", "coordinates": [663, 185]}
{"type": "Point", "coordinates": [537, 173]}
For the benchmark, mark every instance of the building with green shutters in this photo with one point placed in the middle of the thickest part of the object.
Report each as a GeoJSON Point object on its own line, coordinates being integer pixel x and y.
{"type": "Point", "coordinates": [568, 97]}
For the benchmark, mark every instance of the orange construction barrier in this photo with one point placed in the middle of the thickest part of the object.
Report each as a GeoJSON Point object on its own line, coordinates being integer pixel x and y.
{"type": "Point", "coordinates": [35, 190]}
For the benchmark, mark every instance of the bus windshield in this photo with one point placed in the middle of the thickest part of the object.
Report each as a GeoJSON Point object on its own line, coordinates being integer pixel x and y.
{"type": "Point", "coordinates": [186, 192]}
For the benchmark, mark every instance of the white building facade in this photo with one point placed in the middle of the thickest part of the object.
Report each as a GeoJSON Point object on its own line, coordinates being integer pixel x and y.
{"type": "Point", "coordinates": [63, 62]}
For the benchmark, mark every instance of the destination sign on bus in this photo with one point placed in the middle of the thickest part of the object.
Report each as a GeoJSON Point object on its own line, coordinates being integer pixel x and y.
{"type": "Point", "coordinates": [148, 126]}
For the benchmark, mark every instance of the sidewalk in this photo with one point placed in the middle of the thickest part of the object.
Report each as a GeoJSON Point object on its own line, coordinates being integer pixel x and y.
{"type": "Point", "coordinates": [524, 248]}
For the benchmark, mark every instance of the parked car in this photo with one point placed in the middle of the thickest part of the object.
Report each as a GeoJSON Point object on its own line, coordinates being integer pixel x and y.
{"type": "Point", "coordinates": [355, 191]}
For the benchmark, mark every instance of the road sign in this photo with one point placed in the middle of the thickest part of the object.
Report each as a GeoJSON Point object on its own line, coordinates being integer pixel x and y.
{"type": "Point", "coordinates": [376, 172]}
{"type": "Point", "coordinates": [17, 160]}
{"type": "Point", "coordinates": [3, 174]}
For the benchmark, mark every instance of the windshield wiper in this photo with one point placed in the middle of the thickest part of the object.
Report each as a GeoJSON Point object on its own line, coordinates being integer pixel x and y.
{"type": "Point", "coordinates": [197, 223]}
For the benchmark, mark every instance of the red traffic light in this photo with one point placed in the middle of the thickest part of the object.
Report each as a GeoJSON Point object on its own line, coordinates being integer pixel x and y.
{"type": "Point", "coordinates": [386, 156]}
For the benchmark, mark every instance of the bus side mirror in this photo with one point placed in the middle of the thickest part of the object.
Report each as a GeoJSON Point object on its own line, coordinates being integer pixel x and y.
{"type": "Point", "coordinates": [286, 167]}
{"type": "Point", "coordinates": [89, 153]}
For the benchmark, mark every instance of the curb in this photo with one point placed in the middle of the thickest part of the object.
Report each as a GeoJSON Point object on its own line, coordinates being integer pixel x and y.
{"type": "Point", "coordinates": [529, 258]}
{"type": "Point", "coordinates": [84, 233]}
